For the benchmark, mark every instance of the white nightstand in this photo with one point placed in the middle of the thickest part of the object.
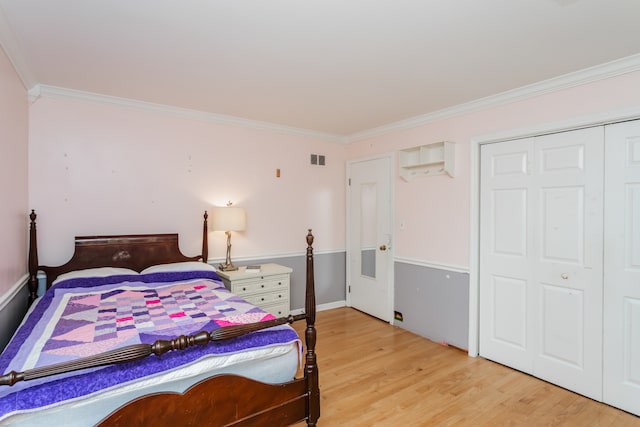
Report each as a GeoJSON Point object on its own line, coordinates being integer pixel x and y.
{"type": "Point", "coordinates": [267, 288]}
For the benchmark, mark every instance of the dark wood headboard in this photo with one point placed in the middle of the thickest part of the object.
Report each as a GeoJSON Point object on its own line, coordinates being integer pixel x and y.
{"type": "Point", "coordinates": [134, 251]}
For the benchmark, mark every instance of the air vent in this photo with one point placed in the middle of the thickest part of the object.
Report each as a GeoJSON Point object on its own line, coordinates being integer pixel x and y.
{"type": "Point", "coordinates": [318, 159]}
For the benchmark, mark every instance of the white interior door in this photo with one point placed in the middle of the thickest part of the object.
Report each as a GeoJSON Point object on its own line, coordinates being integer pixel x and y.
{"type": "Point", "coordinates": [621, 386]}
{"type": "Point", "coordinates": [541, 257]}
{"type": "Point", "coordinates": [369, 285]}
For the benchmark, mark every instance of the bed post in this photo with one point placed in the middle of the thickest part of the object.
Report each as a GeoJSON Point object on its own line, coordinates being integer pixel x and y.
{"type": "Point", "coordinates": [311, 364]}
{"type": "Point", "coordinates": [205, 239]}
{"type": "Point", "coordinates": [33, 258]}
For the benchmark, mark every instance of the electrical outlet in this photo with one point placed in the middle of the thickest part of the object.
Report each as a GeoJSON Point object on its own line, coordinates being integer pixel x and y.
{"type": "Point", "coordinates": [314, 159]}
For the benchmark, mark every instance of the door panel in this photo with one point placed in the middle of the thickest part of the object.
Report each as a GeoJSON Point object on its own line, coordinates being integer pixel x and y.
{"type": "Point", "coordinates": [510, 308]}
{"type": "Point", "coordinates": [622, 268]}
{"type": "Point", "coordinates": [561, 159]}
{"type": "Point", "coordinates": [562, 218]}
{"type": "Point", "coordinates": [369, 237]}
{"type": "Point", "coordinates": [510, 222]}
{"type": "Point", "coordinates": [562, 325]}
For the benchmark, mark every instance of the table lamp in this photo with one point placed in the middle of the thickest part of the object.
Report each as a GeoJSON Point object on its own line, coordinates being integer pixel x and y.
{"type": "Point", "coordinates": [228, 218]}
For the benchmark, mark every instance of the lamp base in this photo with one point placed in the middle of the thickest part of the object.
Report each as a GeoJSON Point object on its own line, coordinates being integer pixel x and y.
{"type": "Point", "coordinates": [227, 267]}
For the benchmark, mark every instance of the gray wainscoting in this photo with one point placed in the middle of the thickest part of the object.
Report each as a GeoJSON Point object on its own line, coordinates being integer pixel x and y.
{"type": "Point", "coordinates": [434, 303]}
{"type": "Point", "coordinates": [12, 313]}
{"type": "Point", "coordinates": [330, 273]}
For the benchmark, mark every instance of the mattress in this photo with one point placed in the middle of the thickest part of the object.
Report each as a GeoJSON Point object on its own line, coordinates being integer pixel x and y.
{"type": "Point", "coordinates": [274, 365]}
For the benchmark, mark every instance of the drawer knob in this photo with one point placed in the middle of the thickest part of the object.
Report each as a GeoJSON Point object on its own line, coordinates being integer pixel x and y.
{"type": "Point", "coordinates": [244, 289]}
{"type": "Point", "coordinates": [279, 283]}
{"type": "Point", "coordinates": [262, 286]}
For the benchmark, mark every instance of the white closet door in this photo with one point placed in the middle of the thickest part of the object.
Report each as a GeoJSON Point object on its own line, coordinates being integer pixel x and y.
{"type": "Point", "coordinates": [541, 257]}
{"type": "Point", "coordinates": [622, 267]}
{"type": "Point", "coordinates": [506, 274]}
{"type": "Point", "coordinates": [568, 259]}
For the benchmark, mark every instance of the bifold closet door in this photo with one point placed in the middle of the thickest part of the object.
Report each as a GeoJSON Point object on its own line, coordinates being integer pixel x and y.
{"type": "Point", "coordinates": [621, 386]}
{"type": "Point", "coordinates": [541, 214]}
{"type": "Point", "coordinates": [568, 259]}
{"type": "Point", "coordinates": [506, 248]}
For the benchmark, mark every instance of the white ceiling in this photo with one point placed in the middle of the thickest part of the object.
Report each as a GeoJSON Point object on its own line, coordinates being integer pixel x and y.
{"type": "Point", "coordinates": [330, 66]}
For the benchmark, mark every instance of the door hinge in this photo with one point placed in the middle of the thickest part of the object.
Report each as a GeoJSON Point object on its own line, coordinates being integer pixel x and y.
{"type": "Point", "coordinates": [349, 288]}
{"type": "Point", "coordinates": [349, 182]}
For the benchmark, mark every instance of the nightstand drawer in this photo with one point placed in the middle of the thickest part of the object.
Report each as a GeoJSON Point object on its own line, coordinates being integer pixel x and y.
{"type": "Point", "coordinates": [278, 310]}
{"type": "Point", "coordinates": [261, 285]}
{"type": "Point", "coordinates": [267, 298]}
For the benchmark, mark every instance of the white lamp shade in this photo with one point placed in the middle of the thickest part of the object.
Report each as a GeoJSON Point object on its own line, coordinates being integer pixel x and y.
{"type": "Point", "coordinates": [229, 218]}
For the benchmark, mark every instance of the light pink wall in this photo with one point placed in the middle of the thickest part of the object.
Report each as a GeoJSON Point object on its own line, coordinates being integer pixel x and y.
{"type": "Point", "coordinates": [435, 210]}
{"type": "Point", "coordinates": [106, 169]}
{"type": "Point", "coordinates": [13, 175]}
{"type": "Point", "coordinates": [90, 173]}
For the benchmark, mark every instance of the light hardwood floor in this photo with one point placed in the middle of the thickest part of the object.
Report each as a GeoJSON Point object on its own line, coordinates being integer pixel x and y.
{"type": "Point", "coordinates": [375, 374]}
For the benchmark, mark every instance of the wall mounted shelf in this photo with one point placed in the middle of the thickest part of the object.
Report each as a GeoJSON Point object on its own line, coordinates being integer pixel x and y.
{"type": "Point", "coordinates": [427, 160]}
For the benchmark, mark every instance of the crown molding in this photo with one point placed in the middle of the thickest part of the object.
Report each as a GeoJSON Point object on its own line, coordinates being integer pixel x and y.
{"type": "Point", "coordinates": [604, 71]}
{"type": "Point", "coordinates": [599, 72]}
{"type": "Point", "coordinates": [57, 92]}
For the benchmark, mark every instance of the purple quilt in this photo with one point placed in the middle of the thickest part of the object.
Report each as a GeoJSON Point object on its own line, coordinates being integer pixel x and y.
{"type": "Point", "coordinates": [81, 317]}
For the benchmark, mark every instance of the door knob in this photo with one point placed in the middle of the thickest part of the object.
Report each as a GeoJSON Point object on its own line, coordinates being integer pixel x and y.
{"type": "Point", "coordinates": [383, 247]}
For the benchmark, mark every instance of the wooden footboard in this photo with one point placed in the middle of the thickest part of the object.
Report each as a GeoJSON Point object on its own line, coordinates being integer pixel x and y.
{"type": "Point", "coordinates": [224, 400]}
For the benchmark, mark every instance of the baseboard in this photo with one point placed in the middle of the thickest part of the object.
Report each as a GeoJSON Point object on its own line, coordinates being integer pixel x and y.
{"type": "Point", "coordinates": [322, 307]}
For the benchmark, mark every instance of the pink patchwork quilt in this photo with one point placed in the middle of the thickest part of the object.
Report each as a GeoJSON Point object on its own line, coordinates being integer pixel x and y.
{"type": "Point", "coordinates": [81, 317]}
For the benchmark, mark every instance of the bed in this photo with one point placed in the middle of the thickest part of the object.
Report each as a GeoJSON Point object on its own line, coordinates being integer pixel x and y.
{"type": "Point", "coordinates": [181, 349]}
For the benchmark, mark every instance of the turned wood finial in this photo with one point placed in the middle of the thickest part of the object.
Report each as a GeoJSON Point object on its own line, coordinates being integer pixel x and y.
{"type": "Point", "coordinates": [33, 258]}
{"type": "Point", "coordinates": [205, 238]}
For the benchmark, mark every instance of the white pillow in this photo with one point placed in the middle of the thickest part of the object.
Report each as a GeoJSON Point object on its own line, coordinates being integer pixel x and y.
{"type": "Point", "coordinates": [94, 272]}
{"type": "Point", "coordinates": [179, 266]}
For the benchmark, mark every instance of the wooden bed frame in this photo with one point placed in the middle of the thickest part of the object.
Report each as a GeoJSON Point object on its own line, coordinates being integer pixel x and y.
{"type": "Point", "coordinates": [222, 400]}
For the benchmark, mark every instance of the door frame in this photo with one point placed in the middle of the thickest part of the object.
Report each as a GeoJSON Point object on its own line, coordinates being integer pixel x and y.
{"type": "Point", "coordinates": [391, 258]}
{"type": "Point", "coordinates": [599, 119]}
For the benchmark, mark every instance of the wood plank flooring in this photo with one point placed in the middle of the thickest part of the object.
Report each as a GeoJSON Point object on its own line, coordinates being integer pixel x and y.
{"type": "Point", "coordinates": [375, 374]}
